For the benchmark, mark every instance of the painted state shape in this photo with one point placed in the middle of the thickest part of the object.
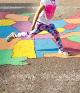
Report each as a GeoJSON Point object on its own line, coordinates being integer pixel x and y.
{"type": "Point", "coordinates": [24, 48]}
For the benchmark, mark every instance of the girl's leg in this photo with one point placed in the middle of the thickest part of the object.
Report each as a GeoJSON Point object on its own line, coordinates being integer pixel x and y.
{"type": "Point", "coordinates": [13, 35]}
{"type": "Point", "coordinates": [34, 32]}
{"type": "Point", "coordinates": [22, 34]}
{"type": "Point", "coordinates": [38, 29]}
{"type": "Point", "coordinates": [51, 29]}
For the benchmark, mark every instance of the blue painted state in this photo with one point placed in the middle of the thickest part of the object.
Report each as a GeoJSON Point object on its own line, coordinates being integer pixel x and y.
{"type": "Point", "coordinates": [43, 46]}
{"type": "Point", "coordinates": [59, 23]}
{"type": "Point", "coordinates": [39, 54]}
{"type": "Point", "coordinates": [6, 30]}
{"type": "Point", "coordinates": [77, 29]}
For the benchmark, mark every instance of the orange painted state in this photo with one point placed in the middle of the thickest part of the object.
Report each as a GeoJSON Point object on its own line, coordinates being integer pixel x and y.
{"type": "Point", "coordinates": [17, 17]}
{"type": "Point", "coordinates": [7, 45]}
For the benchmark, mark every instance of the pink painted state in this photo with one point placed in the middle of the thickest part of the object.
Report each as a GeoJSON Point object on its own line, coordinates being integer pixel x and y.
{"type": "Point", "coordinates": [70, 45]}
{"type": "Point", "coordinates": [39, 36]}
{"type": "Point", "coordinates": [3, 14]}
{"type": "Point", "coordinates": [77, 15]}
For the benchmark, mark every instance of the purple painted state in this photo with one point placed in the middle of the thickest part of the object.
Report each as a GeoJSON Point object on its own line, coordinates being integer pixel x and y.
{"type": "Point", "coordinates": [23, 26]}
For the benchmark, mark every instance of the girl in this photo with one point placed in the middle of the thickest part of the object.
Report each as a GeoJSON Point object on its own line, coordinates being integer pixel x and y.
{"type": "Point", "coordinates": [43, 21]}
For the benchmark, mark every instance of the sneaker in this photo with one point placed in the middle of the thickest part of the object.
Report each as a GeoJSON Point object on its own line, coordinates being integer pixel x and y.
{"type": "Point", "coordinates": [63, 53]}
{"type": "Point", "coordinates": [11, 37]}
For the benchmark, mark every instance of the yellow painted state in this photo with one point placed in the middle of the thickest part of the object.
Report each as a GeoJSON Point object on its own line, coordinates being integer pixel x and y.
{"type": "Point", "coordinates": [44, 32]}
{"type": "Point", "coordinates": [74, 21]}
{"type": "Point", "coordinates": [60, 29]}
{"type": "Point", "coordinates": [6, 22]}
{"type": "Point", "coordinates": [24, 48]}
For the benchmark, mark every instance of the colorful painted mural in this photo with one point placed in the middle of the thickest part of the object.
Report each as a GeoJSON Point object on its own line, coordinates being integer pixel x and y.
{"type": "Point", "coordinates": [17, 51]}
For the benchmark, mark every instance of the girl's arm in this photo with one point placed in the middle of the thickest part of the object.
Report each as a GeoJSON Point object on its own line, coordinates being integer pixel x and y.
{"type": "Point", "coordinates": [41, 7]}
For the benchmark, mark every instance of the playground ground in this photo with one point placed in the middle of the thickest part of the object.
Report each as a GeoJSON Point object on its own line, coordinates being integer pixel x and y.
{"type": "Point", "coordinates": [43, 75]}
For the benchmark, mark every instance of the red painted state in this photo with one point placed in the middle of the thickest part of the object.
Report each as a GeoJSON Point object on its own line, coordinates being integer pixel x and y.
{"type": "Point", "coordinates": [70, 26]}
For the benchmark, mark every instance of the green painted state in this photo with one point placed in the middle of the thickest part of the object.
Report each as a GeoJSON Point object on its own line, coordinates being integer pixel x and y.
{"type": "Point", "coordinates": [28, 14]}
{"type": "Point", "coordinates": [6, 58]}
{"type": "Point", "coordinates": [75, 38]}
